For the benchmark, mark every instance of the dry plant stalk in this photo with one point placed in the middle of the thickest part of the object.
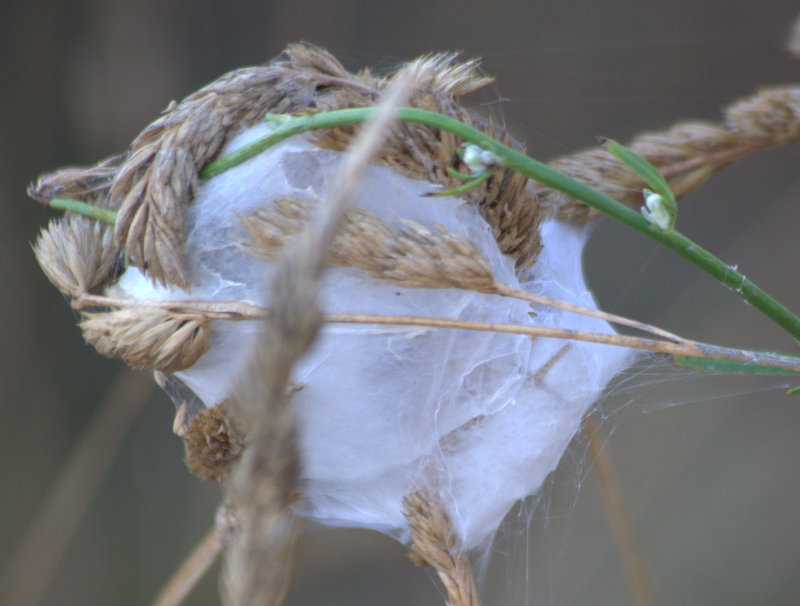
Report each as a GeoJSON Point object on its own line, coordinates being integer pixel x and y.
{"type": "Point", "coordinates": [258, 562]}
{"type": "Point", "coordinates": [432, 544]}
{"type": "Point", "coordinates": [793, 41]}
{"type": "Point", "coordinates": [633, 564]}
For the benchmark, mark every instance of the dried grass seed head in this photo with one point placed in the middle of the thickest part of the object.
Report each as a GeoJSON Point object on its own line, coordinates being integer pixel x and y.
{"type": "Point", "coordinates": [76, 254]}
{"type": "Point", "coordinates": [412, 255]}
{"type": "Point", "coordinates": [149, 338]}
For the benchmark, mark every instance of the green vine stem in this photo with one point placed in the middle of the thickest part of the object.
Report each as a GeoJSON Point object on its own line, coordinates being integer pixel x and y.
{"type": "Point", "coordinates": [545, 175]}
{"type": "Point", "coordinates": [82, 208]}
{"type": "Point", "coordinates": [511, 159]}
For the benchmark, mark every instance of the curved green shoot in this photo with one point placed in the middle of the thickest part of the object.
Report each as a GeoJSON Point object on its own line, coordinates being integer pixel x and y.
{"type": "Point", "coordinates": [82, 208]}
{"type": "Point", "coordinates": [544, 174]}
{"type": "Point", "coordinates": [660, 209]}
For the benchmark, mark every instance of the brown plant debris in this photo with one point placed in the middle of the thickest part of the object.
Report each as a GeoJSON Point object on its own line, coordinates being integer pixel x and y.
{"type": "Point", "coordinates": [159, 177]}
{"type": "Point", "coordinates": [90, 184]}
{"type": "Point", "coordinates": [76, 254]}
{"type": "Point", "coordinates": [148, 337]}
{"type": "Point", "coordinates": [212, 445]}
{"type": "Point", "coordinates": [423, 152]}
{"type": "Point", "coordinates": [433, 544]}
{"type": "Point", "coordinates": [261, 489]}
{"type": "Point", "coordinates": [413, 256]}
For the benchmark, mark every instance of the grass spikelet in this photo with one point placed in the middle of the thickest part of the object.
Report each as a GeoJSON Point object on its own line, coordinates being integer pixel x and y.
{"type": "Point", "coordinates": [76, 254]}
{"type": "Point", "coordinates": [412, 256]}
{"type": "Point", "coordinates": [148, 337]}
{"type": "Point", "coordinates": [432, 544]}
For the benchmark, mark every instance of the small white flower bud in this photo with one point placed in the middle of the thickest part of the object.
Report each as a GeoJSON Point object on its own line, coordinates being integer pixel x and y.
{"type": "Point", "coordinates": [656, 210]}
{"type": "Point", "coordinates": [479, 160]}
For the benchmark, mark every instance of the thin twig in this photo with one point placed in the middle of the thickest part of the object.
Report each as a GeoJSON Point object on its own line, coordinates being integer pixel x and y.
{"type": "Point", "coordinates": [236, 310]}
{"type": "Point", "coordinates": [233, 309]}
{"type": "Point", "coordinates": [635, 571]}
{"type": "Point", "coordinates": [193, 568]}
{"type": "Point", "coordinates": [684, 348]}
{"type": "Point", "coordinates": [524, 295]}
{"type": "Point", "coordinates": [32, 567]}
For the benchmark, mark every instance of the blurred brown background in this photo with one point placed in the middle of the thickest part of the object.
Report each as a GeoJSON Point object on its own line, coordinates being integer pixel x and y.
{"type": "Point", "coordinates": [713, 486]}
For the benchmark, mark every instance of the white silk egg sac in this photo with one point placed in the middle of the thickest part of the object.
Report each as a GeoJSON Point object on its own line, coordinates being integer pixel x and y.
{"type": "Point", "coordinates": [481, 418]}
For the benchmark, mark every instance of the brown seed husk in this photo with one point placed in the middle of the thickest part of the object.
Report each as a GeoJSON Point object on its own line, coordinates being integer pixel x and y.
{"type": "Point", "coordinates": [412, 256]}
{"type": "Point", "coordinates": [147, 337]}
{"type": "Point", "coordinates": [90, 184]}
{"type": "Point", "coordinates": [76, 254]}
{"type": "Point", "coordinates": [433, 544]}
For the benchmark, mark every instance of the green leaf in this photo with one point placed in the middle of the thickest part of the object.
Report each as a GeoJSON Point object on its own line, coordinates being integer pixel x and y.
{"type": "Point", "coordinates": [736, 368]}
{"type": "Point", "coordinates": [662, 205]}
{"type": "Point", "coordinates": [641, 167]}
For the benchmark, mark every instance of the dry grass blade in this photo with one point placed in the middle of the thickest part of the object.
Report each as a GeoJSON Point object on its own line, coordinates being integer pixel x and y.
{"type": "Point", "coordinates": [28, 574]}
{"type": "Point", "coordinates": [89, 184]}
{"type": "Point", "coordinates": [258, 563]}
{"type": "Point", "coordinates": [524, 295]}
{"type": "Point", "coordinates": [432, 544]}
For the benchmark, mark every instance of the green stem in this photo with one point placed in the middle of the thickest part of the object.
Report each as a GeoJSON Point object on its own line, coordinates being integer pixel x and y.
{"type": "Point", "coordinates": [544, 174]}
{"type": "Point", "coordinates": [82, 208]}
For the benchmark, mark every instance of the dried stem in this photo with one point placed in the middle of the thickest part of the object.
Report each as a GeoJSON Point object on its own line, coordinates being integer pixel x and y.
{"type": "Point", "coordinates": [258, 563]}
{"type": "Point", "coordinates": [46, 539]}
{"type": "Point", "coordinates": [193, 568]}
{"type": "Point", "coordinates": [531, 297]}
{"type": "Point", "coordinates": [632, 561]}
{"type": "Point", "coordinates": [235, 310]}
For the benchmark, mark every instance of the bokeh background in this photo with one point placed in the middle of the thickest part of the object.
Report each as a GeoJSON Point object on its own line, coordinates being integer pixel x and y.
{"type": "Point", "coordinates": [712, 486]}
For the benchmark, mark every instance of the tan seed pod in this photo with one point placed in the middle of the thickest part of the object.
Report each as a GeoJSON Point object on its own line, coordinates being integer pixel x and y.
{"type": "Point", "coordinates": [148, 337]}
{"type": "Point", "coordinates": [212, 444]}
